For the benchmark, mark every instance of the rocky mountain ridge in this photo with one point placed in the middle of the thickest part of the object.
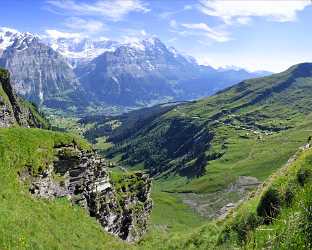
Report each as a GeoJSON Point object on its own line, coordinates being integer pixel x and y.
{"type": "Point", "coordinates": [70, 73]}
{"type": "Point", "coordinates": [83, 178]}
{"type": "Point", "coordinates": [148, 72]}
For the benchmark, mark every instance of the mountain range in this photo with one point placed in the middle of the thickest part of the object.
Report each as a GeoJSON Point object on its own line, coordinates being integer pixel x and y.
{"type": "Point", "coordinates": [71, 73]}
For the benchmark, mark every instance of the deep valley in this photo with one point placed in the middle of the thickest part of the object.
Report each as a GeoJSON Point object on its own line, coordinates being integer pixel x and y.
{"type": "Point", "coordinates": [139, 124]}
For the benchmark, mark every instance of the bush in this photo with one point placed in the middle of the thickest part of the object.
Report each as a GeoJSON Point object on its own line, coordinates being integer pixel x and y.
{"type": "Point", "coordinates": [289, 195]}
{"type": "Point", "coordinates": [269, 205]}
{"type": "Point", "coordinates": [303, 175]}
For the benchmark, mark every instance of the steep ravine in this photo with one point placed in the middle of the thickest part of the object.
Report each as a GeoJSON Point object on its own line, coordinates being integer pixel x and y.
{"type": "Point", "coordinates": [82, 177]}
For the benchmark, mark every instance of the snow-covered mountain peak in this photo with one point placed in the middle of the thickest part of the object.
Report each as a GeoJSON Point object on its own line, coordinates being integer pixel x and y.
{"type": "Point", "coordinates": [81, 48]}
{"type": "Point", "coordinates": [149, 43]}
{"type": "Point", "coordinates": [11, 37]}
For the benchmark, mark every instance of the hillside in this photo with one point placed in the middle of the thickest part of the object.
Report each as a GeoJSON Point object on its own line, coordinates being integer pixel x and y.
{"type": "Point", "coordinates": [60, 225]}
{"type": "Point", "coordinates": [256, 109]}
{"type": "Point", "coordinates": [119, 126]}
{"type": "Point", "coordinates": [275, 216]}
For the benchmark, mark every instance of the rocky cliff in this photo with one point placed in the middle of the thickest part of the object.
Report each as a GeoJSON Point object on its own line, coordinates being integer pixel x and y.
{"type": "Point", "coordinates": [122, 207]}
{"type": "Point", "coordinates": [14, 110]}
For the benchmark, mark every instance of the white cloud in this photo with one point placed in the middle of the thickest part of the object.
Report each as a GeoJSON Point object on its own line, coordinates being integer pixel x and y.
{"type": "Point", "coordinates": [87, 26]}
{"type": "Point", "coordinates": [55, 34]}
{"type": "Point", "coordinates": [243, 20]}
{"type": "Point", "coordinates": [168, 14]}
{"type": "Point", "coordinates": [187, 7]}
{"type": "Point", "coordinates": [173, 24]}
{"type": "Point", "coordinates": [172, 40]}
{"type": "Point", "coordinates": [114, 10]}
{"type": "Point", "coordinates": [130, 39]}
{"type": "Point", "coordinates": [133, 36]}
{"type": "Point", "coordinates": [219, 36]}
{"type": "Point", "coordinates": [232, 11]}
{"type": "Point", "coordinates": [7, 29]}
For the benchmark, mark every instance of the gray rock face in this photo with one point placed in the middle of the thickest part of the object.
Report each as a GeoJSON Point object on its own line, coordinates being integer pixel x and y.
{"type": "Point", "coordinates": [148, 72]}
{"type": "Point", "coordinates": [13, 110]}
{"type": "Point", "coordinates": [132, 75]}
{"type": "Point", "coordinates": [83, 178]}
{"type": "Point", "coordinates": [39, 73]}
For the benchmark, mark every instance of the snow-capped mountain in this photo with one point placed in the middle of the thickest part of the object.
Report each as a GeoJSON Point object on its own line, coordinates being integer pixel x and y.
{"type": "Point", "coordinates": [146, 72]}
{"type": "Point", "coordinates": [66, 71]}
{"type": "Point", "coordinates": [79, 50]}
{"type": "Point", "coordinates": [38, 72]}
{"type": "Point", "coordinates": [9, 37]}
{"type": "Point", "coordinates": [135, 73]}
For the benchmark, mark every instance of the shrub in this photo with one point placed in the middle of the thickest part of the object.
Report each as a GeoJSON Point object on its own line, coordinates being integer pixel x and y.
{"type": "Point", "coordinates": [269, 205]}
{"type": "Point", "coordinates": [289, 195]}
{"type": "Point", "coordinates": [303, 175]}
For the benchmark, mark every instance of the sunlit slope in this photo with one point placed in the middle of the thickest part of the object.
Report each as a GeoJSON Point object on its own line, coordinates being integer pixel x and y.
{"type": "Point", "coordinates": [276, 216]}
{"type": "Point", "coordinates": [248, 129]}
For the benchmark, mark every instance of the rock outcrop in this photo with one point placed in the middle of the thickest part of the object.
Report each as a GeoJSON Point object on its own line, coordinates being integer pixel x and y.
{"type": "Point", "coordinates": [122, 206]}
{"type": "Point", "coordinates": [13, 110]}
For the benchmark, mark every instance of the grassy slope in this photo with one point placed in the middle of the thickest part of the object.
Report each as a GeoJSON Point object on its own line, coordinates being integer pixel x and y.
{"type": "Point", "coordinates": [39, 117]}
{"type": "Point", "coordinates": [170, 213]}
{"type": "Point", "coordinates": [28, 223]}
{"type": "Point", "coordinates": [291, 228]}
{"type": "Point", "coordinates": [244, 228]}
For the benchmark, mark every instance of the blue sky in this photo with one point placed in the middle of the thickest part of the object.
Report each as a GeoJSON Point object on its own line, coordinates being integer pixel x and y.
{"type": "Point", "coordinates": [254, 34]}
